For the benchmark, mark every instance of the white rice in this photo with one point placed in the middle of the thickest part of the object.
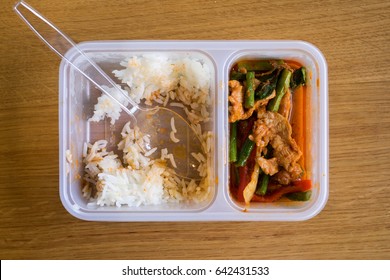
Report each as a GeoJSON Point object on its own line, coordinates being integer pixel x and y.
{"type": "Point", "coordinates": [199, 157]}
{"type": "Point", "coordinates": [176, 104]}
{"type": "Point", "coordinates": [132, 187]}
{"type": "Point", "coordinates": [150, 152]}
{"type": "Point", "coordinates": [173, 137]}
{"type": "Point", "coordinates": [166, 155]}
{"type": "Point", "coordinates": [68, 156]}
{"type": "Point", "coordinates": [136, 179]}
{"type": "Point", "coordinates": [173, 124]}
{"type": "Point", "coordinates": [149, 73]}
{"type": "Point", "coordinates": [106, 107]}
{"type": "Point", "coordinates": [170, 156]}
{"type": "Point", "coordinates": [166, 100]}
{"type": "Point", "coordinates": [172, 134]}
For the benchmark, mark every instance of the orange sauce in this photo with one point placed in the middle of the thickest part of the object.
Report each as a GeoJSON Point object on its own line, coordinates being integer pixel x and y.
{"type": "Point", "coordinates": [293, 64]}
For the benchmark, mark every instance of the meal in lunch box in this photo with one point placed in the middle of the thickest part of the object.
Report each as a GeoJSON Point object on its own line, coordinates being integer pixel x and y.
{"type": "Point", "coordinates": [267, 124]}
{"type": "Point", "coordinates": [131, 177]}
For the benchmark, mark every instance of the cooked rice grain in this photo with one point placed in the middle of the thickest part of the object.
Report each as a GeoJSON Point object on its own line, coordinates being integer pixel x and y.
{"type": "Point", "coordinates": [160, 79]}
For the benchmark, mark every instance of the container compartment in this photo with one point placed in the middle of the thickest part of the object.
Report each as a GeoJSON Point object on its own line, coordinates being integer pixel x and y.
{"type": "Point", "coordinates": [315, 133]}
{"type": "Point", "coordinates": [78, 97]}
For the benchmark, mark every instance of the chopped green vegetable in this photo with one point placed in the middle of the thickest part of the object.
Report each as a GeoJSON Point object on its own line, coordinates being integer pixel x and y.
{"type": "Point", "coordinates": [233, 143]}
{"type": "Point", "coordinates": [263, 185]}
{"type": "Point", "coordinates": [299, 196]}
{"type": "Point", "coordinates": [298, 78]}
{"type": "Point", "coordinates": [255, 65]}
{"type": "Point", "coordinates": [267, 76]}
{"type": "Point", "coordinates": [281, 88]}
{"type": "Point", "coordinates": [250, 90]}
{"type": "Point", "coordinates": [264, 90]}
{"type": "Point", "coordinates": [237, 76]}
{"type": "Point", "coordinates": [245, 152]}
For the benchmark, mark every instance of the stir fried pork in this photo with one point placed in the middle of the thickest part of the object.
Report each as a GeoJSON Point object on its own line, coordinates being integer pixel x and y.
{"type": "Point", "coordinates": [269, 166]}
{"type": "Point", "coordinates": [272, 128]}
{"type": "Point", "coordinates": [236, 99]}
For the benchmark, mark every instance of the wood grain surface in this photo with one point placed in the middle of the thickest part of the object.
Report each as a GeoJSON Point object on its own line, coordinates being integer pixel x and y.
{"type": "Point", "coordinates": [355, 224]}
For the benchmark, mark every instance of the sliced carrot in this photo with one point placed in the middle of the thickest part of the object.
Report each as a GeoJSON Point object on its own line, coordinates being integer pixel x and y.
{"type": "Point", "coordinates": [298, 121]}
{"type": "Point", "coordinates": [293, 64]}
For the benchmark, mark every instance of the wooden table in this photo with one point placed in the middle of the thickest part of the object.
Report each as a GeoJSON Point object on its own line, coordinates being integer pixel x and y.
{"type": "Point", "coordinates": [355, 224]}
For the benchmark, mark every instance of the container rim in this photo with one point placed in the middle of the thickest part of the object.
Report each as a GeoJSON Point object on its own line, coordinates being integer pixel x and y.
{"type": "Point", "coordinates": [213, 47]}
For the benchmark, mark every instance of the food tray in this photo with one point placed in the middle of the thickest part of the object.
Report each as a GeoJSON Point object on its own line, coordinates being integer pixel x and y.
{"type": "Point", "coordinates": [77, 98]}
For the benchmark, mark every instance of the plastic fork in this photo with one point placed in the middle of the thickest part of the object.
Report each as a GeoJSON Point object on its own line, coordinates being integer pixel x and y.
{"type": "Point", "coordinates": [151, 121]}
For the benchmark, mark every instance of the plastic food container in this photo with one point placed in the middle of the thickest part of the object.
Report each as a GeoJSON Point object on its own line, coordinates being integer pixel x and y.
{"type": "Point", "coordinates": [77, 98]}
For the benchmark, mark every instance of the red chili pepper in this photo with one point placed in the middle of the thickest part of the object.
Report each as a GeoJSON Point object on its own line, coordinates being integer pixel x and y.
{"type": "Point", "coordinates": [245, 173]}
{"type": "Point", "coordinates": [244, 180]}
{"type": "Point", "coordinates": [233, 178]}
{"type": "Point", "coordinates": [244, 128]}
{"type": "Point", "coordinates": [297, 186]}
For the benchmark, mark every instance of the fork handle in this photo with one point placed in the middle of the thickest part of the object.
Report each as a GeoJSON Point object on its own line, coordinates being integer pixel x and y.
{"type": "Point", "coordinates": [61, 44]}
